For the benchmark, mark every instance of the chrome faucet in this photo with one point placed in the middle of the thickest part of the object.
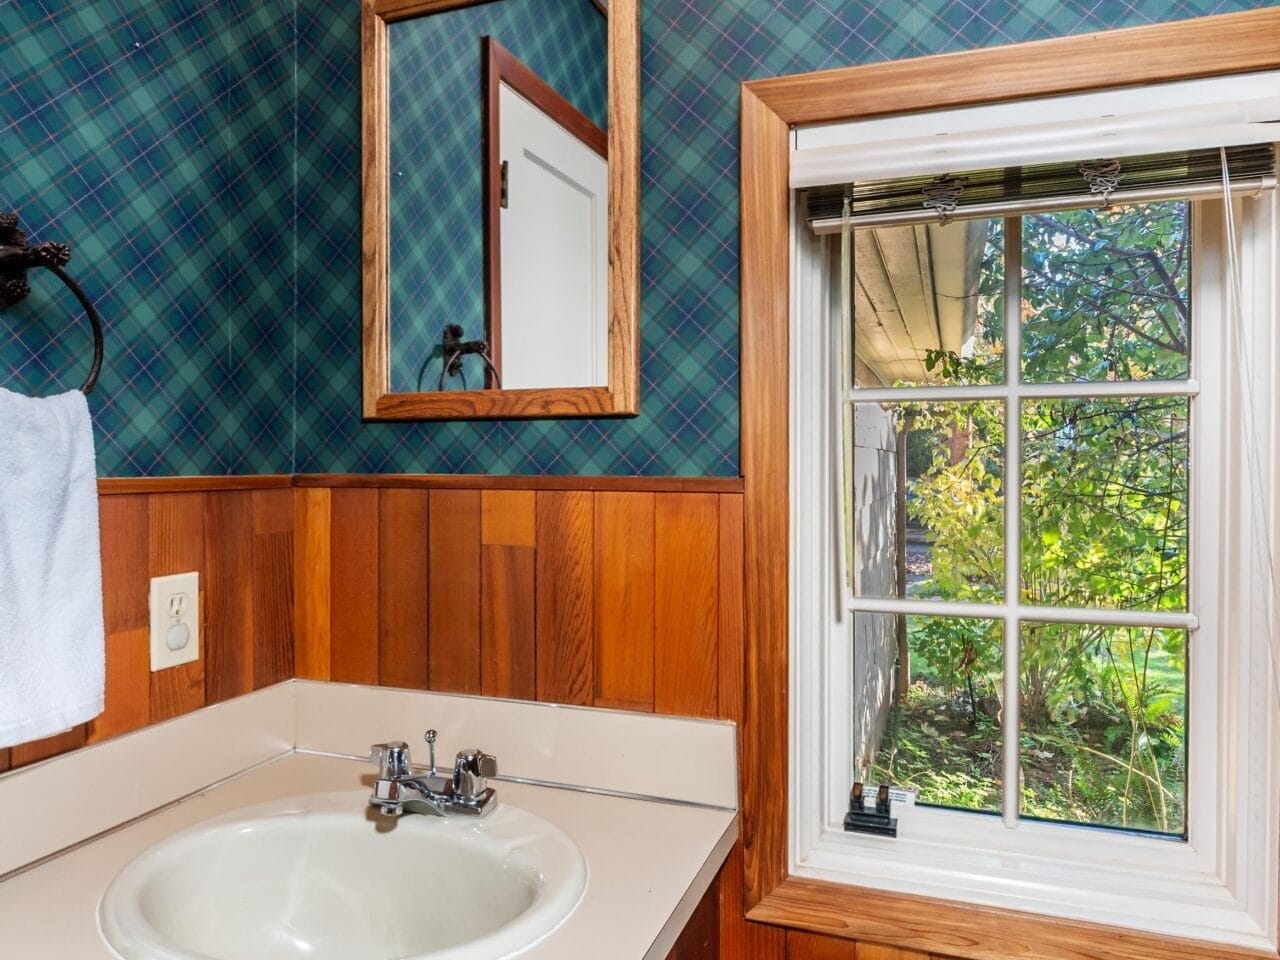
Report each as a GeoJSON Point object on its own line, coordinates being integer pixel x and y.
{"type": "Point", "coordinates": [398, 791]}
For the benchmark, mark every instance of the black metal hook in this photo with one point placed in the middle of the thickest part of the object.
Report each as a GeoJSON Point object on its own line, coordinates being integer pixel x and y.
{"type": "Point", "coordinates": [454, 348]}
{"type": "Point", "coordinates": [17, 257]}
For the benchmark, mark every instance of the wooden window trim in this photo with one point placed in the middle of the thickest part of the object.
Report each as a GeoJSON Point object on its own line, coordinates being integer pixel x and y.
{"type": "Point", "coordinates": [1204, 47]}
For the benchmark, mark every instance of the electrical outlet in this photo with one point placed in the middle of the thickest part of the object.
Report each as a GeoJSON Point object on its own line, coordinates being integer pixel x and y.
{"type": "Point", "coordinates": [175, 620]}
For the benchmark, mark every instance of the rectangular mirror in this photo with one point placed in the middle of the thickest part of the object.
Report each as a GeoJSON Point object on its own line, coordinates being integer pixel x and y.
{"type": "Point", "coordinates": [501, 208]}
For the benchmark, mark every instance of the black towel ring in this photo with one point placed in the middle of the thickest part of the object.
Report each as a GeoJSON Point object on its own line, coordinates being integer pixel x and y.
{"type": "Point", "coordinates": [454, 348]}
{"type": "Point", "coordinates": [16, 257]}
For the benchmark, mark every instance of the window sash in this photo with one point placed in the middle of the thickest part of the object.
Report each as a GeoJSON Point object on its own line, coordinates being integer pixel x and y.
{"type": "Point", "coordinates": [1213, 886]}
{"type": "Point", "coordinates": [1012, 612]}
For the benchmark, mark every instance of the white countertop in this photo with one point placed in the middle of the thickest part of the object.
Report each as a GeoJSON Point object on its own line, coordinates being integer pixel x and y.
{"type": "Point", "coordinates": [649, 860]}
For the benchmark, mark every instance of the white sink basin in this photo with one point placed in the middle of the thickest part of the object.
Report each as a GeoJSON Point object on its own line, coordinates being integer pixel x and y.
{"type": "Point", "coordinates": [323, 877]}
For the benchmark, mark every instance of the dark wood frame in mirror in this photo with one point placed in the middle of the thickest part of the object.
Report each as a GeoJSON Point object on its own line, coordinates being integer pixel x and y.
{"type": "Point", "coordinates": [621, 396]}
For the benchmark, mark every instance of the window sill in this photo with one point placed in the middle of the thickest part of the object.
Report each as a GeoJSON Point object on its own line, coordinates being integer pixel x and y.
{"type": "Point", "coordinates": [952, 929]}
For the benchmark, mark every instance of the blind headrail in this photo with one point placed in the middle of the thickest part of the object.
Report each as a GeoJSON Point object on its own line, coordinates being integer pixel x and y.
{"type": "Point", "coordinates": [1009, 191]}
{"type": "Point", "coordinates": [1251, 186]}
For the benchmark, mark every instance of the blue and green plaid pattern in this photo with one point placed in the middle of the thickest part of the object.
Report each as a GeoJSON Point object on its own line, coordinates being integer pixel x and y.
{"type": "Point", "coordinates": [157, 140]}
{"type": "Point", "coordinates": [437, 206]}
{"type": "Point", "coordinates": [695, 54]}
{"type": "Point", "coordinates": [167, 141]}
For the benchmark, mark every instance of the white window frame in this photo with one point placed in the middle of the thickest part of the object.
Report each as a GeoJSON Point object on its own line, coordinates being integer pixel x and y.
{"type": "Point", "coordinates": [1220, 884]}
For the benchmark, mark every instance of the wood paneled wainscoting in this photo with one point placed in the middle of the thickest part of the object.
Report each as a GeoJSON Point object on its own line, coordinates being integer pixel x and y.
{"type": "Point", "coordinates": [599, 593]}
{"type": "Point", "coordinates": [237, 532]}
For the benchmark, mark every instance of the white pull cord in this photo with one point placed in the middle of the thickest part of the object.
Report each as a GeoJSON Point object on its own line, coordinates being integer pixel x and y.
{"type": "Point", "coordinates": [840, 382]}
{"type": "Point", "coordinates": [1263, 540]}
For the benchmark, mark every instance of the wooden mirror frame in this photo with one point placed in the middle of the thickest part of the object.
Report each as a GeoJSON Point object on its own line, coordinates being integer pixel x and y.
{"type": "Point", "coordinates": [622, 396]}
{"type": "Point", "coordinates": [919, 926]}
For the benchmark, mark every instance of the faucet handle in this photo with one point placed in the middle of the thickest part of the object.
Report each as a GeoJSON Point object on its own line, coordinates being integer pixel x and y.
{"type": "Point", "coordinates": [392, 759]}
{"type": "Point", "coordinates": [471, 770]}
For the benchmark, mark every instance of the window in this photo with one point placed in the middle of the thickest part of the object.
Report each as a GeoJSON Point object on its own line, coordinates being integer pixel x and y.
{"type": "Point", "coordinates": [1048, 607]}
{"type": "Point", "coordinates": [1077, 327]}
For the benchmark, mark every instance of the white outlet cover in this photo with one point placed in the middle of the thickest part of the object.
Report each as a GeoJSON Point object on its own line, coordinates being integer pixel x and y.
{"type": "Point", "coordinates": [175, 620]}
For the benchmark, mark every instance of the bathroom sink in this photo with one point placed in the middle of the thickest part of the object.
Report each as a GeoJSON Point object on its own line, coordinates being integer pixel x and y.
{"type": "Point", "coordinates": [326, 878]}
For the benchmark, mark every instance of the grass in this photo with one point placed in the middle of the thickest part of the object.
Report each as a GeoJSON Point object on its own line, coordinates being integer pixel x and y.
{"type": "Point", "coordinates": [1084, 772]}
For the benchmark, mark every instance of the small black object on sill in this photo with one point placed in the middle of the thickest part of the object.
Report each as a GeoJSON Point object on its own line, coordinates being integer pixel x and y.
{"type": "Point", "coordinates": [861, 820]}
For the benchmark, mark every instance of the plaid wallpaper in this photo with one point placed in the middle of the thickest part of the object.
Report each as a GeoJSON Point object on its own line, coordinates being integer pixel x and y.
{"type": "Point", "coordinates": [437, 200]}
{"type": "Point", "coordinates": [212, 198]}
{"type": "Point", "coordinates": [157, 140]}
{"type": "Point", "coordinates": [695, 53]}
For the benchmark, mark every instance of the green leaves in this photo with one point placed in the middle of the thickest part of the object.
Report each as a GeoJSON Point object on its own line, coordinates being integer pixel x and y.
{"type": "Point", "coordinates": [1106, 294]}
{"type": "Point", "coordinates": [1103, 485]}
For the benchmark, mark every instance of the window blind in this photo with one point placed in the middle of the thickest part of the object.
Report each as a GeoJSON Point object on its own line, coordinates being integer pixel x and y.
{"type": "Point", "coordinates": [1006, 191]}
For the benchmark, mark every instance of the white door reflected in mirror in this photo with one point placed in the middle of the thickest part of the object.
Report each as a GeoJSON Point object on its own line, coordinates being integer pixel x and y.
{"type": "Point", "coordinates": [554, 226]}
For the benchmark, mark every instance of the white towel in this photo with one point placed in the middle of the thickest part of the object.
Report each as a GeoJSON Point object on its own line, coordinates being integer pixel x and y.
{"type": "Point", "coordinates": [52, 646]}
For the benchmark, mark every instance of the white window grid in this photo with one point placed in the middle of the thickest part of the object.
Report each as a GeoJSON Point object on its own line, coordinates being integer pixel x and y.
{"type": "Point", "coordinates": [1012, 612]}
{"type": "Point", "coordinates": [1220, 884]}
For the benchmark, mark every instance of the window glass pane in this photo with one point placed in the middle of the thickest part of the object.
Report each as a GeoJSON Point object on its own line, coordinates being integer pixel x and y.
{"type": "Point", "coordinates": [1104, 725]}
{"type": "Point", "coordinates": [927, 697]}
{"type": "Point", "coordinates": [928, 500]}
{"type": "Point", "coordinates": [1104, 503]}
{"type": "Point", "coordinates": [1106, 293]}
{"type": "Point", "coordinates": [928, 304]}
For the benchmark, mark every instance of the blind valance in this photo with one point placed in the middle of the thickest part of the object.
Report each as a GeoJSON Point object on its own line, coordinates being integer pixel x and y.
{"type": "Point", "coordinates": [977, 194]}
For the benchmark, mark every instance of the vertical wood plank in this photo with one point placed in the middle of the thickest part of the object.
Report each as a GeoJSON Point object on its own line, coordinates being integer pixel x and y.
{"type": "Point", "coordinates": [272, 586]}
{"type": "Point", "coordinates": [700, 939]}
{"type": "Point", "coordinates": [4, 760]}
{"type": "Point", "coordinates": [739, 937]}
{"type": "Point", "coordinates": [507, 622]}
{"type": "Point", "coordinates": [228, 592]}
{"type": "Point", "coordinates": [311, 584]}
{"type": "Point", "coordinates": [36, 750]}
{"type": "Point", "coordinates": [128, 689]}
{"type": "Point", "coordinates": [686, 603]}
{"type": "Point", "coordinates": [732, 603]}
{"type": "Point", "coordinates": [453, 590]}
{"type": "Point", "coordinates": [508, 534]}
{"type": "Point", "coordinates": [353, 567]}
{"type": "Point", "coordinates": [508, 518]}
{"type": "Point", "coordinates": [123, 523]}
{"type": "Point", "coordinates": [565, 587]}
{"type": "Point", "coordinates": [802, 945]}
{"type": "Point", "coordinates": [624, 600]}
{"type": "Point", "coordinates": [765, 204]}
{"type": "Point", "coordinates": [175, 538]}
{"type": "Point", "coordinates": [873, 951]}
{"type": "Point", "coordinates": [402, 588]}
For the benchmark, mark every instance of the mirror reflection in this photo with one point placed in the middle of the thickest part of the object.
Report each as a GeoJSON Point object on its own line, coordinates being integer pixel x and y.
{"type": "Point", "coordinates": [498, 197]}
